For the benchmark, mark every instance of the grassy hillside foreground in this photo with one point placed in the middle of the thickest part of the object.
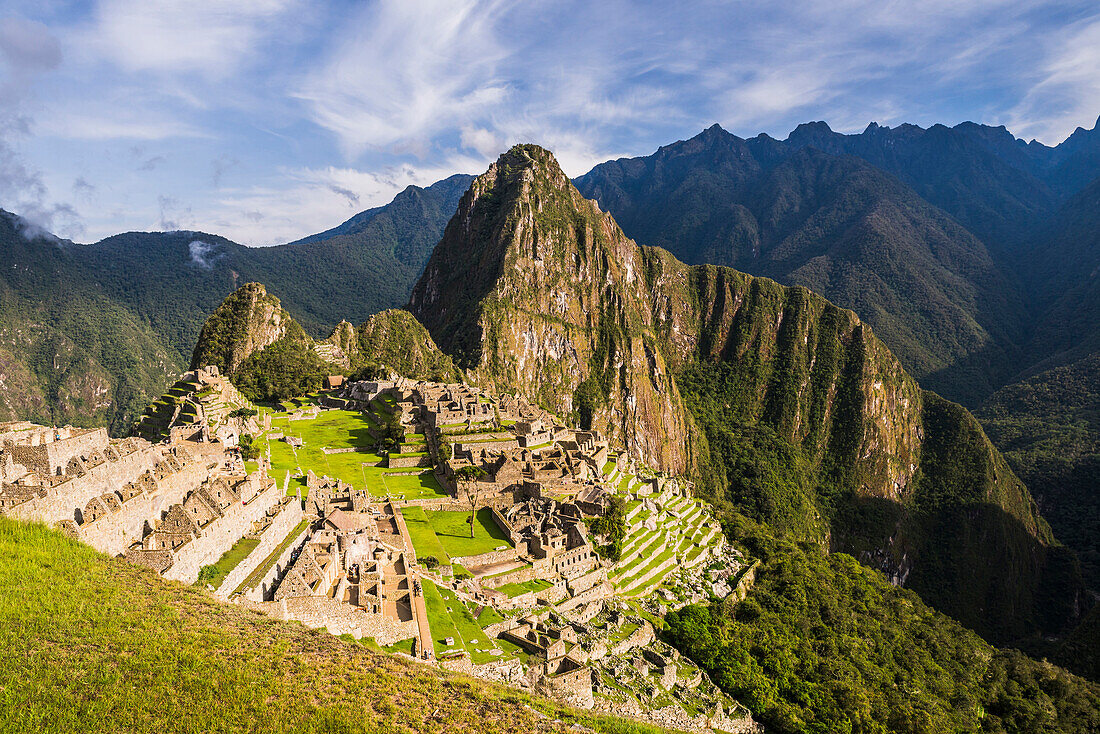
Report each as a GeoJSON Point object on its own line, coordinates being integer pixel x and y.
{"type": "Point", "coordinates": [90, 643]}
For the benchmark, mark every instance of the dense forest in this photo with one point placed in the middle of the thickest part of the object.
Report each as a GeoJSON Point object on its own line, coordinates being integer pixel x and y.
{"type": "Point", "coordinates": [823, 644]}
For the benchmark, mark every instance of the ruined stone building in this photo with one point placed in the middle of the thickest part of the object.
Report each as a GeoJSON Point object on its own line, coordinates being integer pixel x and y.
{"type": "Point", "coordinates": [98, 490]}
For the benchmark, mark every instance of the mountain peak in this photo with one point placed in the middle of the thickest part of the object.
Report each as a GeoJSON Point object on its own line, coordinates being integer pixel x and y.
{"type": "Point", "coordinates": [248, 320]}
{"type": "Point", "coordinates": [810, 129]}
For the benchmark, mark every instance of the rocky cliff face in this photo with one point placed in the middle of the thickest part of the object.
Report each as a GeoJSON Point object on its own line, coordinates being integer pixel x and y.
{"type": "Point", "coordinates": [533, 288]}
{"type": "Point", "coordinates": [246, 322]}
{"type": "Point", "coordinates": [341, 347]}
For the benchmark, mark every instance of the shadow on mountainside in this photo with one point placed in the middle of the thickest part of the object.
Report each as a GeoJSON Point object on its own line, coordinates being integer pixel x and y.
{"type": "Point", "coordinates": [974, 562]}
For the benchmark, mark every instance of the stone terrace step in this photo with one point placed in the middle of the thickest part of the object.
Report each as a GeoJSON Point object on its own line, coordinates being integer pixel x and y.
{"type": "Point", "coordinates": [634, 513]}
{"type": "Point", "coordinates": [657, 540]}
{"type": "Point", "coordinates": [659, 572]}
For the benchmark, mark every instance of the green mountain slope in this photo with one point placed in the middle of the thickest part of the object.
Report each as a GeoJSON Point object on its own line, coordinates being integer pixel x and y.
{"type": "Point", "coordinates": [68, 353]}
{"type": "Point", "coordinates": [122, 315]}
{"type": "Point", "coordinates": [117, 648]}
{"type": "Point", "coordinates": [1048, 427]}
{"type": "Point", "coordinates": [842, 228]}
{"type": "Point", "coordinates": [824, 645]}
{"type": "Point", "coordinates": [533, 288]}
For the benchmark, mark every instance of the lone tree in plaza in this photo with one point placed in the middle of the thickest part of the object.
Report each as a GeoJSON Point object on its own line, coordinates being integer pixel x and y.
{"type": "Point", "coordinates": [467, 477]}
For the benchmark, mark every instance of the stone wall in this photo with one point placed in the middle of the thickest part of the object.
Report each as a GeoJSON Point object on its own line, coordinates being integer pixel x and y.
{"type": "Point", "coordinates": [408, 462]}
{"type": "Point", "coordinates": [573, 687]}
{"type": "Point", "coordinates": [48, 456]}
{"type": "Point", "coordinates": [485, 559]}
{"type": "Point", "coordinates": [519, 576]}
{"type": "Point", "coordinates": [601, 591]}
{"type": "Point", "coordinates": [115, 532]}
{"type": "Point", "coordinates": [339, 618]}
{"type": "Point", "coordinates": [640, 637]}
{"type": "Point", "coordinates": [587, 581]}
{"type": "Point", "coordinates": [220, 535]}
{"type": "Point", "coordinates": [63, 500]}
{"type": "Point", "coordinates": [264, 590]}
{"type": "Point", "coordinates": [289, 516]}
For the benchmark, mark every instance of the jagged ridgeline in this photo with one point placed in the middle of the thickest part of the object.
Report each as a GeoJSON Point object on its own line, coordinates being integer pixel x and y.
{"type": "Point", "coordinates": [268, 355]}
{"type": "Point", "coordinates": [779, 403]}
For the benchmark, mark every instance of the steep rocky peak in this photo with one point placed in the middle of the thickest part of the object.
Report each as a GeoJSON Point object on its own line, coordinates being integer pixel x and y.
{"type": "Point", "coordinates": [248, 320]}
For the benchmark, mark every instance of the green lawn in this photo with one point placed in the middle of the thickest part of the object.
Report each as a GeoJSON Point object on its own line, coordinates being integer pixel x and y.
{"type": "Point", "coordinates": [513, 590]}
{"type": "Point", "coordinates": [342, 429]}
{"type": "Point", "coordinates": [453, 530]}
{"type": "Point", "coordinates": [439, 619]}
{"type": "Point", "coordinates": [481, 650]}
{"type": "Point", "coordinates": [422, 534]}
{"type": "Point", "coordinates": [230, 560]}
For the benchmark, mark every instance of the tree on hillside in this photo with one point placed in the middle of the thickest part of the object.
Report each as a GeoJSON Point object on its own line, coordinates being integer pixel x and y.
{"type": "Point", "coordinates": [612, 525]}
{"type": "Point", "coordinates": [467, 478]}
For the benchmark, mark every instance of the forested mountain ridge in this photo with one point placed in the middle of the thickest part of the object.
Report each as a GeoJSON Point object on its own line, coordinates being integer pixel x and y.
{"type": "Point", "coordinates": [785, 406]}
{"type": "Point", "coordinates": [141, 298]}
{"type": "Point", "coordinates": [838, 226]}
{"type": "Point", "coordinates": [945, 217]}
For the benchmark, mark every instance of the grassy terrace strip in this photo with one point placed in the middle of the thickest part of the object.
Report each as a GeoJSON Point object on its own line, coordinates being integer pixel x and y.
{"type": "Point", "coordinates": [230, 560]}
{"type": "Point", "coordinates": [632, 580]}
{"type": "Point", "coordinates": [473, 639]}
{"type": "Point", "coordinates": [513, 590]}
{"type": "Point", "coordinates": [141, 654]}
{"type": "Point", "coordinates": [439, 620]}
{"type": "Point", "coordinates": [260, 571]}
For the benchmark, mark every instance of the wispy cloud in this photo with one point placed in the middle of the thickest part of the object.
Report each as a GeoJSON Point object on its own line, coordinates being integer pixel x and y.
{"type": "Point", "coordinates": [207, 36]}
{"type": "Point", "coordinates": [355, 100]}
{"type": "Point", "coordinates": [304, 201]}
{"type": "Point", "coordinates": [1067, 91]}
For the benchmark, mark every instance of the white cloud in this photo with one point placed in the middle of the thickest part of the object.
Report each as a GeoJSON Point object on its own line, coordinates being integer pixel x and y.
{"type": "Point", "coordinates": [208, 36]}
{"type": "Point", "coordinates": [306, 201]}
{"type": "Point", "coordinates": [1067, 92]}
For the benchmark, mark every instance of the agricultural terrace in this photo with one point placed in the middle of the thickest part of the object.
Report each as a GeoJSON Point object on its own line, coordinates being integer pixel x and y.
{"type": "Point", "coordinates": [342, 429]}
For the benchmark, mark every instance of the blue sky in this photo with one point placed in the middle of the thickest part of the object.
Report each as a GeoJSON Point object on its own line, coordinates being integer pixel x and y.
{"type": "Point", "coordinates": [264, 121]}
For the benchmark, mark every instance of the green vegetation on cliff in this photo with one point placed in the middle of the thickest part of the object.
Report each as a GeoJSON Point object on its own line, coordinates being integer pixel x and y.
{"type": "Point", "coordinates": [395, 341]}
{"type": "Point", "coordinates": [823, 644]}
{"type": "Point", "coordinates": [142, 654]}
{"type": "Point", "coordinates": [286, 369]}
{"type": "Point", "coordinates": [68, 353]}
